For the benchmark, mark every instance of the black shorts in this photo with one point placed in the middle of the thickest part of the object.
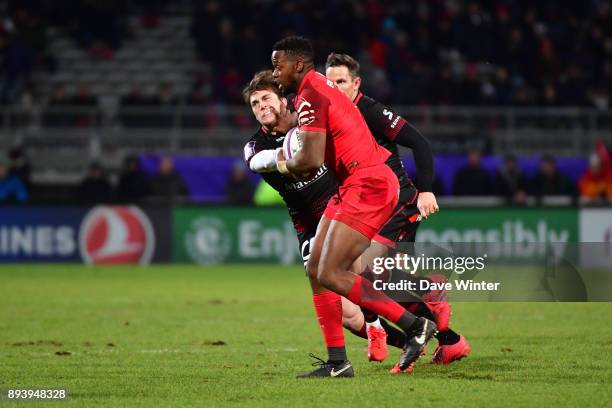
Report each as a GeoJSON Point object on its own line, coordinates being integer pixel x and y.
{"type": "Point", "coordinates": [305, 238]}
{"type": "Point", "coordinates": [403, 224]}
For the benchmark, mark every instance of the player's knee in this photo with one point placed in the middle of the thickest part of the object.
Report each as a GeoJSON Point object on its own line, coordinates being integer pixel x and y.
{"type": "Point", "coordinates": [326, 278]}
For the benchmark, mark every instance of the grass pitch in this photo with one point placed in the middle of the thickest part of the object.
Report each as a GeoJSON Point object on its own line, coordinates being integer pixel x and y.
{"type": "Point", "coordinates": [237, 335]}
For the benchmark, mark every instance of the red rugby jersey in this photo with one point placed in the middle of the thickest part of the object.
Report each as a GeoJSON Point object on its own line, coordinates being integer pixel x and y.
{"type": "Point", "coordinates": [322, 107]}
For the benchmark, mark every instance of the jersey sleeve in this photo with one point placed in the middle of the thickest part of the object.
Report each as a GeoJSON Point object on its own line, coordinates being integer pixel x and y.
{"type": "Point", "coordinates": [312, 108]}
{"type": "Point", "coordinates": [384, 121]}
{"type": "Point", "coordinates": [249, 151]}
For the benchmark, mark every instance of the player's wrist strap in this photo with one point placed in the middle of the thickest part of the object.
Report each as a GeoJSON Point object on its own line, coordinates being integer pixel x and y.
{"type": "Point", "coordinates": [282, 167]}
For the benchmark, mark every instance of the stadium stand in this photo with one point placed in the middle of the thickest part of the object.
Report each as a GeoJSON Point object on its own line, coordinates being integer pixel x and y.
{"type": "Point", "coordinates": [165, 77]}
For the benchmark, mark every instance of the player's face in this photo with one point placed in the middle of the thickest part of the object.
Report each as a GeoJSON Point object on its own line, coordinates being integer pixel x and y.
{"type": "Point", "coordinates": [284, 69]}
{"type": "Point", "coordinates": [341, 76]}
{"type": "Point", "coordinates": [266, 106]}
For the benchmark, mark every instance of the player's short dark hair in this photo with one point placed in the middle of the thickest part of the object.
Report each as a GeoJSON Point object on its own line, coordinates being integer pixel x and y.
{"type": "Point", "coordinates": [261, 81]}
{"type": "Point", "coordinates": [337, 60]}
{"type": "Point", "coordinates": [295, 46]}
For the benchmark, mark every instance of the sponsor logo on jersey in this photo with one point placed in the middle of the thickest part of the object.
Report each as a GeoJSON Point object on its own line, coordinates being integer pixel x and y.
{"type": "Point", "coordinates": [299, 185]}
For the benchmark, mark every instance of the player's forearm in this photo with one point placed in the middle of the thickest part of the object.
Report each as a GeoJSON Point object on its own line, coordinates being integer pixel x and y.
{"type": "Point", "coordinates": [304, 163]}
{"type": "Point", "coordinates": [410, 137]}
{"type": "Point", "coordinates": [264, 161]}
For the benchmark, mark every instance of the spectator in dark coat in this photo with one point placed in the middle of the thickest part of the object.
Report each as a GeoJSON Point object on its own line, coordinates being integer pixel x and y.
{"type": "Point", "coordinates": [239, 189]}
{"type": "Point", "coordinates": [510, 182]}
{"type": "Point", "coordinates": [550, 181]}
{"type": "Point", "coordinates": [473, 179]}
{"type": "Point", "coordinates": [168, 185]}
{"type": "Point", "coordinates": [133, 182]}
{"type": "Point", "coordinates": [95, 187]}
{"type": "Point", "coordinates": [19, 165]}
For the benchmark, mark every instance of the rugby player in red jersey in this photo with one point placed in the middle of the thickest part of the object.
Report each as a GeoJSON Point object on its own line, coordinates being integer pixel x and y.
{"type": "Point", "coordinates": [390, 130]}
{"type": "Point", "coordinates": [334, 132]}
{"type": "Point", "coordinates": [305, 200]}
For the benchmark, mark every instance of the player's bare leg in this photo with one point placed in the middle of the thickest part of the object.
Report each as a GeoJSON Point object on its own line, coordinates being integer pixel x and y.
{"type": "Point", "coordinates": [328, 307]}
{"type": "Point", "coordinates": [316, 246]}
{"type": "Point", "coordinates": [352, 317]}
{"type": "Point", "coordinates": [342, 246]}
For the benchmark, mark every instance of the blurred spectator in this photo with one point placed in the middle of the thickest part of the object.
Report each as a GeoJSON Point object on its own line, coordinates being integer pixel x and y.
{"type": "Point", "coordinates": [59, 97]}
{"type": "Point", "coordinates": [168, 185]}
{"type": "Point", "coordinates": [17, 61]}
{"type": "Point", "coordinates": [19, 165]}
{"type": "Point", "coordinates": [596, 182]}
{"type": "Point", "coordinates": [95, 187]}
{"type": "Point", "coordinates": [84, 98]}
{"type": "Point", "coordinates": [12, 189]}
{"type": "Point", "coordinates": [239, 189]}
{"type": "Point", "coordinates": [550, 181]}
{"type": "Point", "coordinates": [165, 95]}
{"type": "Point", "coordinates": [55, 115]}
{"type": "Point", "coordinates": [473, 179]}
{"type": "Point", "coordinates": [482, 52]}
{"type": "Point", "coordinates": [99, 26]}
{"type": "Point", "coordinates": [133, 116]}
{"type": "Point", "coordinates": [201, 92]}
{"type": "Point", "coordinates": [151, 12]}
{"type": "Point", "coordinates": [135, 97]}
{"type": "Point", "coordinates": [165, 98]}
{"type": "Point", "coordinates": [493, 53]}
{"type": "Point", "coordinates": [133, 182]}
{"type": "Point", "coordinates": [510, 182]}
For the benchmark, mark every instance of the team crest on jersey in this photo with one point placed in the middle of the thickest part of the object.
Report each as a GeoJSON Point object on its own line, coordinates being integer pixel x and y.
{"type": "Point", "coordinates": [305, 114]}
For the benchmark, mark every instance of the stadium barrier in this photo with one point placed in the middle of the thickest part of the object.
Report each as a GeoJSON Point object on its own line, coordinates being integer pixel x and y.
{"type": "Point", "coordinates": [214, 235]}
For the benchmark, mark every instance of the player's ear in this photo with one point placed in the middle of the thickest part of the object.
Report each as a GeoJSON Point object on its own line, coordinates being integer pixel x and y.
{"type": "Point", "coordinates": [358, 82]}
{"type": "Point", "coordinates": [299, 65]}
{"type": "Point", "coordinates": [284, 101]}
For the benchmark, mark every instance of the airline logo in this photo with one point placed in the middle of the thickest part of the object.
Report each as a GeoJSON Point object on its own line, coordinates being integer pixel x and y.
{"type": "Point", "coordinates": [116, 235]}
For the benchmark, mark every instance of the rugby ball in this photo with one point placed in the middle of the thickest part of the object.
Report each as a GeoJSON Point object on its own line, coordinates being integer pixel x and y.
{"type": "Point", "coordinates": [292, 143]}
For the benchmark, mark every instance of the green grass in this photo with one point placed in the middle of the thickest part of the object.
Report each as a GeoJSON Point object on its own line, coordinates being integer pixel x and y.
{"type": "Point", "coordinates": [146, 337]}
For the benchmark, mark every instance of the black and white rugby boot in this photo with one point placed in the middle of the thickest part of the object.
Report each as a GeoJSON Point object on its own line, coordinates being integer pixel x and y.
{"type": "Point", "coordinates": [423, 330]}
{"type": "Point", "coordinates": [329, 369]}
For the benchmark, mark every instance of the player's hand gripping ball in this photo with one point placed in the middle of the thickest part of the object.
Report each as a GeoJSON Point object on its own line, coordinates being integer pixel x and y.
{"type": "Point", "coordinates": [292, 143]}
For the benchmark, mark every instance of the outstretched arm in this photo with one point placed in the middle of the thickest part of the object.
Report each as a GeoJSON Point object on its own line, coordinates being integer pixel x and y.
{"type": "Point", "coordinates": [263, 161]}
